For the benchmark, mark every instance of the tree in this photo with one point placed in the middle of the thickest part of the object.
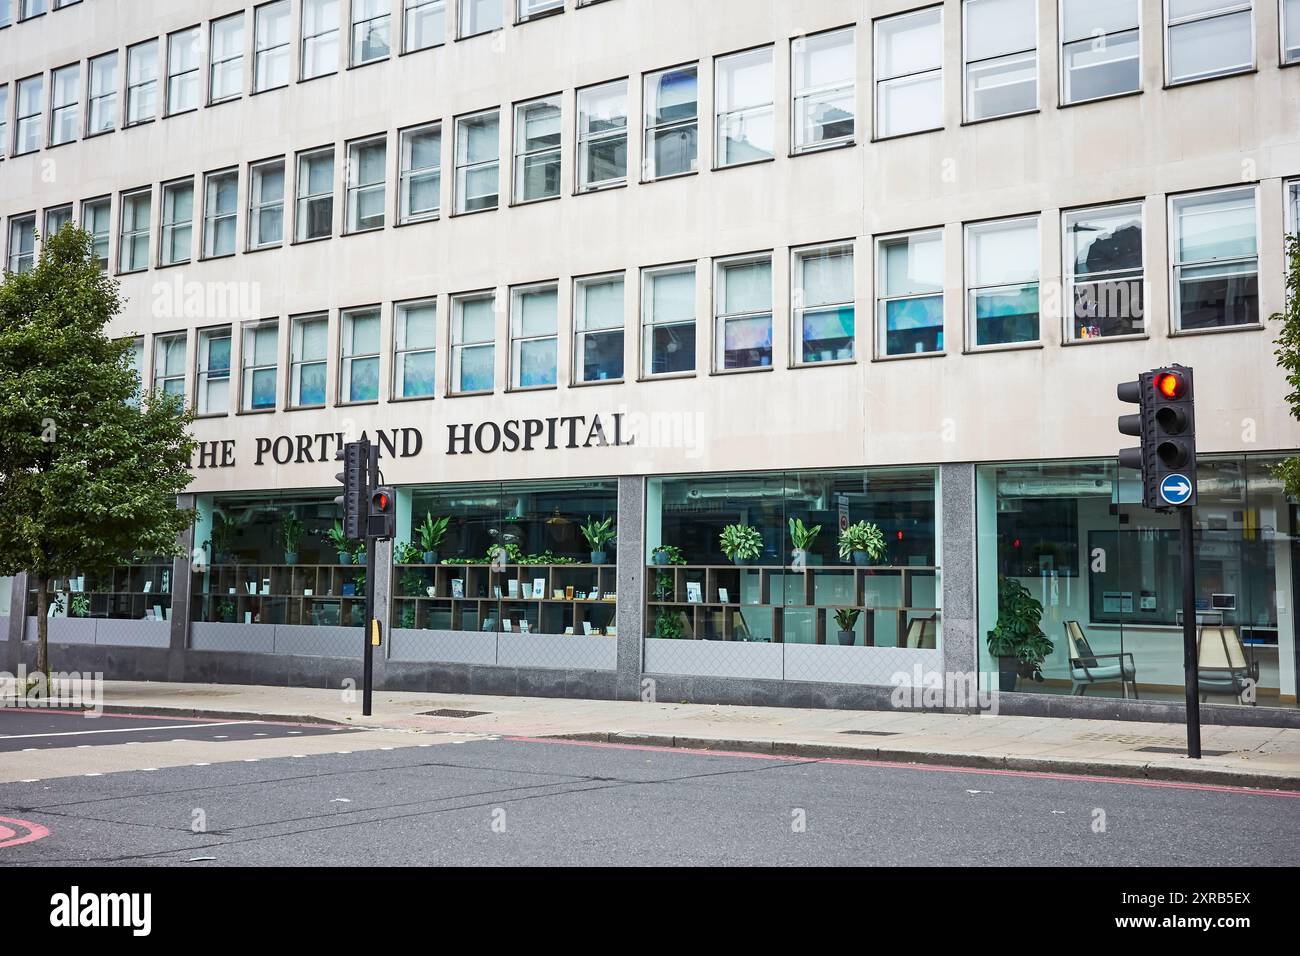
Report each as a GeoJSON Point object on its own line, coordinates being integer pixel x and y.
{"type": "Point", "coordinates": [89, 466]}
{"type": "Point", "coordinates": [1288, 357]}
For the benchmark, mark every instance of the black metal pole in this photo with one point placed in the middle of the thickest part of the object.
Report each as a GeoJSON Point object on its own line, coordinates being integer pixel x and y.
{"type": "Point", "coordinates": [1189, 636]}
{"type": "Point", "coordinates": [368, 653]}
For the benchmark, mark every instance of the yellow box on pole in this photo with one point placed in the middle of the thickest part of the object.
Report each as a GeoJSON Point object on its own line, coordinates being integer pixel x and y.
{"type": "Point", "coordinates": [376, 636]}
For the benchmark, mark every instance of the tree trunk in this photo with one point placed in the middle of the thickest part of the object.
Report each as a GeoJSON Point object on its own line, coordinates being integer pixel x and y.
{"type": "Point", "coordinates": [43, 627]}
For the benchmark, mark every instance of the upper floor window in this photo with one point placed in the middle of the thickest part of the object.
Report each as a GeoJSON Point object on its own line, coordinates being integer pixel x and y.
{"type": "Point", "coordinates": [220, 213]}
{"type": "Point", "coordinates": [95, 217]}
{"type": "Point", "coordinates": [1215, 259]}
{"type": "Point", "coordinates": [479, 16]}
{"type": "Point", "coordinates": [4, 119]}
{"type": "Point", "coordinates": [477, 162]}
{"type": "Point", "coordinates": [425, 24]}
{"type": "Point", "coordinates": [176, 241]}
{"type": "Point", "coordinates": [824, 310]}
{"type": "Point", "coordinates": [537, 149]}
{"type": "Point", "coordinates": [141, 82]}
{"type": "Point", "coordinates": [6, 16]}
{"type": "Point", "coordinates": [307, 360]}
{"type": "Point", "coordinates": [320, 37]}
{"type": "Point", "coordinates": [183, 71]}
{"type": "Point", "coordinates": [672, 122]}
{"type": "Point", "coordinates": [315, 208]}
{"type": "Point", "coordinates": [366, 184]}
{"type": "Point", "coordinates": [1291, 31]}
{"type": "Point", "coordinates": [473, 342]}
{"type": "Point", "coordinates": [27, 129]}
{"type": "Point", "coordinates": [1002, 281]}
{"type": "Point", "coordinates": [1103, 271]}
{"type": "Point", "coordinates": [30, 8]}
{"type": "Point", "coordinates": [101, 102]}
{"type": "Point", "coordinates": [65, 91]}
{"type": "Point", "coordinates": [533, 352]}
{"type": "Point", "coordinates": [824, 78]}
{"type": "Point", "coordinates": [266, 204]}
{"type": "Point", "coordinates": [359, 361]}
{"type": "Point", "coordinates": [213, 390]}
{"type": "Point", "coordinates": [743, 89]}
{"type": "Point", "coordinates": [909, 73]}
{"type": "Point", "coordinates": [1205, 38]}
{"type": "Point", "coordinates": [271, 38]}
{"type": "Point", "coordinates": [226, 74]}
{"type": "Point", "coordinates": [668, 320]}
{"type": "Point", "coordinates": [260, 362]}
{"type": "Point", "coordinates": [1293, 207]}
{"type": "Point", "coordinates": [1001, 57]}
{"type": "Point", "coordinates": [22, 243]}
{"type": "Point", "coordinates": [371, 30]}
{"type": "Point", "coordinates": [56, 219]}
{"type": "Point", "coordinates": [909, 293]}
{"type": "Point", "coordinates": [1101, 53]}
{"type": "Point", "coordinates": [169, 363]}
{"type": "Point", "coordinates": [598, 324]}
{"type": "Point", "coordinates": [529, 9]}
{"type": "Point", "coordinates": [415, 349]}
{"type": "Point", "coordinates": [137, 362]}
{"type": "Point", "coordinates": [602, 135]}
{"type": "Point", "coordinates": [421, 172]}
{"type": "Point", "coordinates": [133, 231]}
{"type": "Point", "coordinates": [742, 332]}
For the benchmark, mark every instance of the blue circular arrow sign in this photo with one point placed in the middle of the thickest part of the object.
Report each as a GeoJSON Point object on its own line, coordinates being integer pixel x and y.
{"type": "Point", "coordinates": [1176, 489]}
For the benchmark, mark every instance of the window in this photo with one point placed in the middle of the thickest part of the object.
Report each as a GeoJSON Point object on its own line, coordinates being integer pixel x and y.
{"type": "Point", "coordinates": [307, 361]}
{"type": "Point", "coordinates": [415, 339]}
{"type": "Point", "coordinates": [271, 46]}
{"type": "Point", "coordinates": [1001, 57]}
{"type": "Point", "coordinates": [530, 9]}
{"type": "Point", "coordinates": [473, 342]}
{"type": "Point", "coordinates": [1103, 271]}
{"type": "Point", "coordinates": [5, 14]}
{"type": "Point", "coordinates": [479, 16]}
{"type": "Point", "coordinates": [27, 129]}
{"type": "Point", "coordinates": [1002, 281]}
{"type": "Point", "coordinates": [602, 135]}
{"type": "Point", "coordinates": [533, 351]}
{"type": "Point", "coordinates": [909, 73]}
{"type": "Point", "coordinates": [320, 37]}
{"type": "Point", "coordinates": [141, 82]}
{"type": "Point", "coordinates": [266, 204]}
{"type": "Point", "coordinates": [30, 8]}
{"type": "Point", "coordinates": [1293, 207]}
{"type": "Point", "coordinates": [220, 213]}
{"type": "Point", "coordinates": [133, 247]}
{"type": "Point", "coordinates": [909, 293]}
{"type": "Point", "coordinates": [365, 200]}
{"type": "Point", "coordinates": [1205, 38]}
{"type": "Point", "coordinates": [598, 329]}
{"type": "Point", "coordinates": [668, 320]}
{"type": "Point", "coordinates": [1101, 53]}
{"type": "Point", "coordinates": [421, 172]}
{"type": "Point", "coordinates": [824, 325]}
{"type": "Point", "coordinates": [64, 105]}
{"type": "Point", "coordinates": [537, 149]}
{"type": "Point", "coordinates": [56, 219]}
{"type": "Point", "coordinates": [260, 365]}
{"type": "Point", "coordinates": [4, 119]}
{"type": "Point", "coordinates": [169, 364]}
{"type": "Point", "coordinates": [1215, 259]}
{"type": "Point", "coordinates": [359, 369]}
{"type": "Point", "coordinates": [371, 30]}
{"type": "Point", "coordinates": [1291, 31]}
{"type": "Point", "coordinates": [426, 24]}
{"type": "Point", "coordinates": [101, 103]}
{"type": "Point", "coordinates": [177, 223]}
{"type": "Point", "coordinates": [226, 74]}
{"type": "Point", "coordinates": [214, 372]}
{"type": "Point", "coordinates": [315, 212]}
{"type": "Point", "coordinates": [22, 243]}
{"type": "Point", "coordinates": [477, 162]}
{"type": "Point", "coordinates": [183, 71]}
{"type": "Point", "coordinates": [672, 122]}
{"type": "Point", "coordinates": [137, 365]}
{"type": "Point", "coordinates": [744, 85]}
{"type": "Point", "coordinates": [95, 216]}
{"type": "Point", "coordinates": [825, 68]}
{"type": "Point", "coordinates": [743, 311]}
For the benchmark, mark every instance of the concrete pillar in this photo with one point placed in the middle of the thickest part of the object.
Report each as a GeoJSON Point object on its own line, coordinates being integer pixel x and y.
{"type": "Point", "coordinates": [959, 568]}
{"type": "Point", "coordinates": [383, 603]}
{"type": "Point", "coordinates": [13, 646]}
{"type": "Point", "coordinates": [630, 555]}
{"type": "Point", "coordinates": [182, 579]}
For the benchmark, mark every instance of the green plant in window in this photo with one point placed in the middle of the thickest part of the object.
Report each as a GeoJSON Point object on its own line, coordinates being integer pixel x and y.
{"type": "Point", "coordinates": [292, 531]}
{"type": "Point", "coordinates": [79, 605]}
{"type": "Point", "coordinates": [1288, 358]}
{"type": "Point", "coordinates": [668, 625]}
{"type": "Point", "coordinates": [667, 554]}
{"type": "Point", "coordinates": [598, 533]}
{"type": "Point", "coordinates": [846, 618]}
{"type": "Point", "coordinates": [226, 611]}
{"type": "Point", "coordinates": [408, 617]}
{"type": "Point", "coordinates": [413, 583]}
{"type": "Point", "coordinates": [1018, 633]}
{"type": "Point", "coordinates": [802, 536]}
{"type": "Point", "coordinates": [663, 586]}
{"type": "Point", "coordinates": [406, 553]}
{"type": "Point", "coordinates": [432, 531]}
{"type": "Point", "coordinates": [741, 542]}
{"type": "Point", "coordinates": [862, 538]}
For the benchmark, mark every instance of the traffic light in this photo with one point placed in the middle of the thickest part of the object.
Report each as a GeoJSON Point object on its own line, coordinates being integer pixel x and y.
{"type": "Point", "coordinates": [381, 521]}
{"type": "Point", "coordinates": [353, 476]}
{"type": "Point", "coordinates": [1166, 425]}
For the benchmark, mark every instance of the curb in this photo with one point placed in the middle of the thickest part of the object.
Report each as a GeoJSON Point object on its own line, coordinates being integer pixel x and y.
{"type": "Point", "coordinates": [197, 713]}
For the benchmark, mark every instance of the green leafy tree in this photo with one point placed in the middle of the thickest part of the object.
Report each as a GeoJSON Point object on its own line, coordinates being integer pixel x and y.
{"type": "Point", "coordinates": [89, 467]}
{"type": "Point", "coordinates": [1288, 357]}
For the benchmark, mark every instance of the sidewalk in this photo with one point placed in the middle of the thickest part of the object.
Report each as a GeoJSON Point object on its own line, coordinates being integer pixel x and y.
{"type": "Point", "coordinates": [1263, 757]}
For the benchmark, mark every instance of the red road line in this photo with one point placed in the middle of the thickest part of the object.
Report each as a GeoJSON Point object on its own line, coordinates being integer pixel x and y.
{"type": "Point", "coordinates": [7, 834]}
{"type": "Point", "coordinates": [940, 768]}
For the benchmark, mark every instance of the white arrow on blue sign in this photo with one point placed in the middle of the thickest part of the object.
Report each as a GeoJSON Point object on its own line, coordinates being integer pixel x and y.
{"type": "Point", "coordinates": [1176, 489]}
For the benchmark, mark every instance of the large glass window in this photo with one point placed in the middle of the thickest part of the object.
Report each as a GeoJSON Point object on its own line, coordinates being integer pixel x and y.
{"type": "Point", "coordinates": [272, 36]}
{"type": "Point", "coordinates": [598, 322]}
{"type": "Point", "coordinates": [177, 239]}
{"type": "Point", "coordinates": [213, 396]}
{"type": "Point", "coordinates": [27, 125]}
{"type": "Point", "coordinates": [537, 149]}
{"type": "Point", "coordinates": [133, 231]}
{"type": "Point", "coordinates": [137, 366]}
{"type": "Point", "coordinates": [101, 100]}
{"type": "Point", "coordinates": [479, 16]}
{"type": "Point", "coordinates": [602, 135]}
{"type": "Point", "coordinates": [415, 349]}
{"type": "Point", "coordinates": [743, 312]}
{"type": "Point", "coordinates": [1103, 271]}
{"type": "Point", "coordinates": [1215, 259]}
{"type": "Point", "coordinates": [1293, 207]}
{"type": "Point", "coordinates": [421, 172]}
{"type": "Point", "coordinates": [367, 168]}
{"type": "Point", "coordinates": [1002, 282]}
{"type": "Point", "coordinates": [473, 342]}
{"type": "Point", "coordinates": [183, 64]}
{"type": "Point", "coordinates": [56, 219]}
{"type": "Point", "coordinates": [266, 204]}
{"type": "Point", "coordinates": [95, 218]}
{"type": "Point", "coordinates": [307, 357]}
{"type": "Point", "coordinates": [909, 73]}
{"type": "Point", "coordinates": [359, 371]}
{"type": "Point", "coordinates": [169, 364]}
{"type": "Point", "coordinates": [22, 243]}
{"type": "Point", "coordinates": [1291, 31]}
{"type": "Point", "coordinates": [533, 350]}
{"type": "Point", "coordinates": [744, 89]}
{"type": "Point", "coordinates": [1001, 57]}
{"type": "Point", "coordinates": [822, 294]}
{"type": "Point", "coordinates": [668, 320]}
{"type": "Point", "coordinates": [315, 212]}
{"type": "Point", "coordinates": [909, 293]}
{"type": "Point", "coordinates": [65, 91]}
{"type": "Point", "coordinates": [1205, 38]}
{"type": "Point", "coordinates": [4, 121]}
{"type": "Point", "coordinates": [226, 73]}
{"type": "Point", "coordinates": [824, 78]}
{"type": "Point", "coordinates": [426, 24]}
{"type": "Point", "coordinates": [1100, 50]}
{"type": "Point", "coordinates": [220, 213]}
{"type": "Point", "coordinates": [141, 82]}
{"type": "Point", "coordinates": [531, 9]}
{"type": "Point", "coordinates": [371, 30]}
{"type": "Point", "coordinates": [672, 122]}
{"type": "Point", "coordinates": [478, 145]}
{"type": "Point", "coordinates": [261, 361]}
{"type": "Point", "coordinates": [320, 37]}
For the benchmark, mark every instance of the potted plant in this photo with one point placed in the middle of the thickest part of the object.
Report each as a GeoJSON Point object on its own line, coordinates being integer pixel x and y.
{"type": "Point", "coordinates": [861, 542]}
{"type": "Point", "coordinates": [79, 605]}
{"type": "Point", "coordinates": [341, 542]}
{"type": "Point", "coordinates": [846, 618]}
{"type": "Point", "coordinates": [406, 553]}
{"type": "Point", "coordinates": [741, 543]}
{"type": "Point", "coordinates": [223, 533]}
{"type": "Point", "coordinates": [667, 554]}
{"type": "Point", "coordinates": [291, 532]}
{"type": "Point", "coordinates": [598, 534]}
{"type": "Point", "coordinates": [1018, 641]}
{"type": "Point", "coordinates": [802, 537]}
{"type": "Point", "coordinates": [432, 531]}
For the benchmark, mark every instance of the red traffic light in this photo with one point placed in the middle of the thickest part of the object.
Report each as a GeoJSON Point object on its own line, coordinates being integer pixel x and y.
{"type": "Point", "coordinates": [381, 501]}
{"type": "Point", "coordinates": [1171, 385]}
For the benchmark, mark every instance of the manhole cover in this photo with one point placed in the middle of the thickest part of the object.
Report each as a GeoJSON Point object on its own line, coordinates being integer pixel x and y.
{"type": "Point", "coordinates": [1181, 750]}
{"type": "Point", "coordinates": [872, 733]}
{"type": "Point", "coordinates": [454, 713]}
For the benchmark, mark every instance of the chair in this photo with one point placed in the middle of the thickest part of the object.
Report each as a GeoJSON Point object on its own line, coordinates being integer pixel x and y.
{"type": "Point", "coordinates": [1086, 667]}
{"type": "Point", "coordinates": [921, 633]}
{"type": "Point", "coordinates": [1221, 664]}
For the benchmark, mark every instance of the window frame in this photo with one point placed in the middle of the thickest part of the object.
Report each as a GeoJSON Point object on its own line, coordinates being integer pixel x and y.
{"type": "Point", "coordinates": [4, 120]}
{"type": "Point", "coordinates": [88, 225]}
{"type": "Point", "coordinates": [1061, 70]}
{"type": "Point", "coordinates": [400, 352]}
{"type": "Point", "coordinates": [967, 119]}
{"type": "Point", "coordinates": [799, 312]}
{"type": "Point", "coordinates": [556, 7]}
{"type": "Point", "coordinates": [970, 290]}
{"type": "Point", "coordinates": [92, 99]}
{"type": "Point", "coordinates": [881, 348]}
{"type": "Point", "coordinates": [347, 358]}
{"type": "Point", "coordinates": [255, 208]}
{"type": "Point", "coordinates": [299, 198]}
{"type": "Point", "coordinates": [720, 117]}
{"type": "Point", "coordinates": [1175, 264]}
{"type": "Point", "coordinates": [1167, 47]}
{"type": "Point", "coordinates": [304, 39]}
{"type": "Point", "coordinates": [1282, 36]}
{"type": "Point", "coordinates": [353, 189]}
{"type": "Point", "coordinates": [520, 154]}
{"type": "Point", "coordinates": [457, 194]}
{"type": "Point", "coordinates": [203, 376]}
{"type": "Point", "coordinates": [63, 209]}
{"type": "Point", "coordinates": [133, 90]}
{"type": "Point", "coordinates": [162, 339]}
{"type": "Point", "coordinates": [38, 117]}
{"type": "Point", "coordinates": [248, 366]}
{"type": "Point", "coordinates": [581, 141]}
{"type": "Point", "coordinates": [214, 63]}
{"type": "Point", "coordinates": [461, 20]}
{"type": "Point", "coordinates": [197, 71]}
{"type": "Point", "coordinates": [649, 171]}
{"type": "Point", "coordinates": [354, 23]}
{"type": "Point", "coordinates": [796, 148]}
{"type": "Point", "coordinates": [581, 331]}
{"type": "Point", "coordinates": [211, 221]}
{"type": "Point", "coordinates": [877, 80]}
{"type": "Point", "coordinates": [12, 254]}
{"type": "Point", "coordinates": [719, 318]}
{"type": "Point", "coordinates": [55, 109]}
{"type": "Point", "coordinates": [406, 174]}
{"type": "Point", "coordinates": [260, 52]}
{"type": "Point", "coordinates": [411, 5]}
{"type": "Point", "coordinates": [124, 199]}
{"type": "Point", "coordinates": [518, 338]}
{"type": "Point", "coordinates": [297, 364]}
{"type": "Point", "coordinates": [458, 344]}
{"type": "Point", "coordinates": [1069, 279]}
{"type": "Point", "coordinates": [1291, 212]}
{"type": "Point", "coordinates": [168, 227]}
{"type": "Point", "coordinates": [647, 324]}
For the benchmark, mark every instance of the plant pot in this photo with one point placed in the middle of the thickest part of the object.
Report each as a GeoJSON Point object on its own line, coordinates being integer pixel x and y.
{"type": "Point", "coordinates": [599, 557]}
{"type": "Point", "coordinates": [430, 557]}
{"type": "Point", "coordinates": [659, 557]}
{"type": "Point", "coordinates": [847, 638]}
{"type": "Point", "coordinates": [860, 559]}
{"type": "Point", "coordinates": [345, 557]}
{"type": "Point", "coordinates": [738, 562]}
{"type": "Point", "coordinates": [1008, 673]}
{"type": "Point", "coordinates": [799, 557]}
{"type": "Point", "coordinates": [291, 557]}
{"type": "Point", "coordinates": [349, 589]}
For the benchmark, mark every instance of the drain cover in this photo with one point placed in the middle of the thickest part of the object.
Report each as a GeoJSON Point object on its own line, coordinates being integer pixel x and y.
{"type": "Point", "coordinates": [1180, 750]}
{"type": "Point", "coordinates": [454, 713]}
{"type": "Point", "coordinates": [872, 733]}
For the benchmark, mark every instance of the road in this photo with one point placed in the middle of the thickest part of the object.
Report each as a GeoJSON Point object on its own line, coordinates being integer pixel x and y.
{"type": "Point", "coordinates": [342, 797]}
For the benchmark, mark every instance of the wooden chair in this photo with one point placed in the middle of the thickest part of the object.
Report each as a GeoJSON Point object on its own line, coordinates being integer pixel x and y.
{"type": "Point", "coordinates": [1086, 667]}
{"type": "Point", "coordinates": [922, 632]}
{"type": "Point", "coordinates": [1221, 664]}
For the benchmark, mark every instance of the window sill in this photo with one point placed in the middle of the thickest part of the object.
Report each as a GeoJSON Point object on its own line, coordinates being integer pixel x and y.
{"type": "Point", "coordinates": [480, 33]}
{"type": "Point", "coordinates": [915, 132]}
{"type": "Point", "coordinates": [266, 248]}
{"type": "Point", "coordinates": [544, 15]}
{"type": "Point", "coordinates": [473, 212]}
{"type": "Point", "coordinates": [67, 142]}
{"type": "Point", "coordinates": [667, 376]}
{"type": "Point", "coordinates": [817, 150]}
{"type": "Point", "coordinates": [1010, 347]}
{"type": "Point", "coordinates": [596, 383]}
{"type": "Point", "coordinates": [269, 89]}
{"type": "Point", "coordinates": [592, 190]}
{"type": "Point", "coordinates": [416, 222]}
{"type": "Point", "coordinates": [102, 132]}
{"type": "Point", "coordinates": [318, 76]}
{"type": "Point", "coordinates": [192, 109]}
{"type": "Point", "coordinates": [485, 391]}
{"type": "Point", "coordinates": [828, 364]}
{"type": "Point", "coordinates": [516, 203]}
{"type": "Point", "coordinates": [422, 49]}
{"type": "Point", "coordinates": [257, 411]}
{"type": "Point", "coordinates": [369, 401]}
{"type": "Point", "coordinates": [1099, 99]}
{"type": "Point", "coordinates": [909, 356]}
{"type": "Point", "coordinates": [663, 179]}
{"type": "Point", "coordinates": [224, 255]}
{"type": "Point", "coordinates": [307, 242]}
{"type": "Point", "coordinates": [229, 99]}
{"type": "Point", "coordinates": [516, 389]}
{"type": "Point", "coordinates": [360, 66]}
{"type": "Point", "coordinates": [1176, 84]}
{"type": "Point", "coordinates": [360, 232]}
{"type": "Point", "coordinates": [748, 162]}
{"type": "Point", "coordinates": [1001, 116]}
{"type": "Point", "coordinates": [743, 371]}
{"type": "Point", "coordinates": [205, 416]}
{"type": "Point", "coordinates": [1188, 333]}
{"type": "Point", "coordinates": [138, 123]}
{"type": "Point", "coordinates": [394, 399]}
{"type": "Point", "coordinates": [304, 408]}
{"type": "Point", "coordinates": [1129, 337]}
{"type": "Point", "coordinates": [169, 265]}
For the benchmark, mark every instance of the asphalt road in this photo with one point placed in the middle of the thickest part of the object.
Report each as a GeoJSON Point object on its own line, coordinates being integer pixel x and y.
{"type": "Point", "coordinates": [502, 802]}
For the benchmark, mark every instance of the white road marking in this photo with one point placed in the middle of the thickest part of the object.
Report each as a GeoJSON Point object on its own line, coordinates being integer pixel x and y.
{"type": "Point", "coordinates": [31, 780]}
{"type": "Point", "coordinates": [202, 765]}
{"type": "Point", "coordinates": [125, 730]}
{"type": "Point", "coordinates": [93, 775]}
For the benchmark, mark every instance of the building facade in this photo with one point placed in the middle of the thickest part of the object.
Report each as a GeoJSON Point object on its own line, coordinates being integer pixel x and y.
{"type": "Point", "coordinates": [684, 266]}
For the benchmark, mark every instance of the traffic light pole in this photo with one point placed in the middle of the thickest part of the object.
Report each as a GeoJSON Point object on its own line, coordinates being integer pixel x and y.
{"type": "Point", "coordinates": [368, 654]}
{"type": "Point", "coordinates": [1190, 677]}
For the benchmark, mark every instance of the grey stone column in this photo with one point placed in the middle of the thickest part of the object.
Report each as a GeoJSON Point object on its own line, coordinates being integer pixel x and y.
{"type": "Point", "coordinates": [631, 585]}
{"type": "Point", "coordinates": [182, 610]}
{"type": "Point", "coordinates": [383, 605]}
{"type": "Point", "coordinates": [959, 568]}
{"type": "Point", "coordinates": [13, 648]}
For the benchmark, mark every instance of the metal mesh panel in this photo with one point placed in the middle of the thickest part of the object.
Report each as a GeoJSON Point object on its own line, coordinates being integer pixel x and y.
{"type": "Point", "coordinates": [714, 658]}
{"type": "Point", "coordinates": [575, 651]}
{"type": "Point", "coordinates": [447, 647]}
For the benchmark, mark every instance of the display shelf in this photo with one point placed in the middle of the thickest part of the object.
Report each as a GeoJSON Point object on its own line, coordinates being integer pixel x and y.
{"type": "Point", "coordinates": [129, 592]}
{"type": "Point", "coordinates": [279, 594]}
